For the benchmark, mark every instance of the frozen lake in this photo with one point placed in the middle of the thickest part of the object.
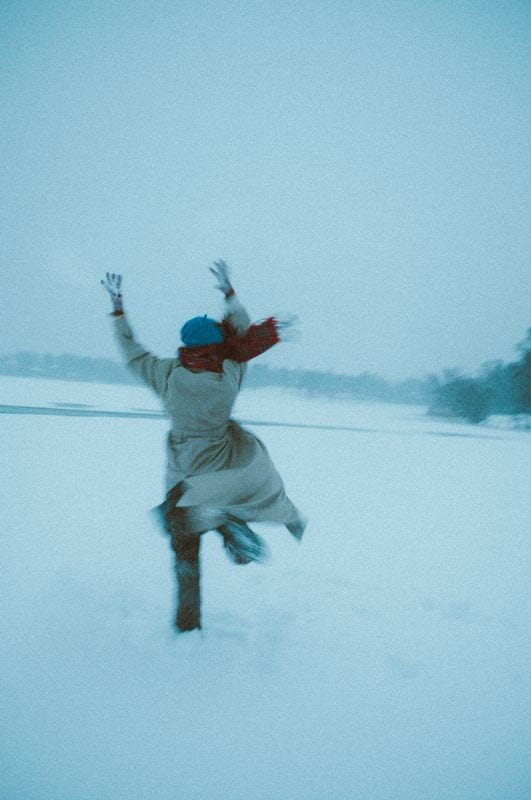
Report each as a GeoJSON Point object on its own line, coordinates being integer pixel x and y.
{"type": "Point", "coordinates": [387, 657]}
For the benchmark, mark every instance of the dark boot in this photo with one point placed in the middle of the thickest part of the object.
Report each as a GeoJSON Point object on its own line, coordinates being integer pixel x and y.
{"type": "Point", "coordinates": [241, 543]}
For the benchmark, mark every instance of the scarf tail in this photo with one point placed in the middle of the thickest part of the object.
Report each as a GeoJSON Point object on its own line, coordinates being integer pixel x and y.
{"type": "Point", "coordinates": [256, 340]}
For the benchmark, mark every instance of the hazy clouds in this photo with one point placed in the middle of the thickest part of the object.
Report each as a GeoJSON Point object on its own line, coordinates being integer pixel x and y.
{"type": "Point", "coordinates": [364, 165]}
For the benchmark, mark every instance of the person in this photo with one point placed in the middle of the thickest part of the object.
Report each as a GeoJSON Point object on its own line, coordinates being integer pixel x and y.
{"type": "Point", "coordinates": [219, 476]}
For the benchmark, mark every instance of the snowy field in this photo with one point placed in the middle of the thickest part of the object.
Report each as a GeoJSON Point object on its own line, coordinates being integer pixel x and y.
{"type": "Point", "coordinates": [387, 657]}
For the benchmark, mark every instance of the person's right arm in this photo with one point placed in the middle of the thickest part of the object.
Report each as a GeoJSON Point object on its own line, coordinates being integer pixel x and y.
{"type": "Point", "coordinates": [152, 370]}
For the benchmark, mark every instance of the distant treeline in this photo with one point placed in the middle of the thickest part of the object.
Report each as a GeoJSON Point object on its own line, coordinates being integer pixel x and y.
{"type": "Point", "coordinates": [64, 367]}
{"type": "Point", "coordinates": [366, 386]}
{"type": "Point", "coordinates": [499, 389]}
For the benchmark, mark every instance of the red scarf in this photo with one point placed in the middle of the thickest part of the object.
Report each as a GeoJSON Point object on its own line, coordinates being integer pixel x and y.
{"type": "Point", "coordinates": [210, 357]}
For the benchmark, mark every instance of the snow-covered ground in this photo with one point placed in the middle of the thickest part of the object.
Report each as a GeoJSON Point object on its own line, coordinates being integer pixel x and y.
{"type": "Point", "coordinates": [387, 657]}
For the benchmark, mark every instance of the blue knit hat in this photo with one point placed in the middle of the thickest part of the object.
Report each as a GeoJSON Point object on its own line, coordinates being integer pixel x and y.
{"type": "Point", "coordinates": [200, 331]}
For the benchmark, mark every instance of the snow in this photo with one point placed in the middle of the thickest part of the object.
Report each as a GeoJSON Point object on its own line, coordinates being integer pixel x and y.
{"type": "Point", "coordinates": [386, 657]}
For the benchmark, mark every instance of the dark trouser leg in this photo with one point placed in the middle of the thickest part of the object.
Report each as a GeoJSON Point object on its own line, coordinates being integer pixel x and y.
{"type": "Point", "coordinates": [185, 545]}
{"type": "Point", "coordinates": [186, 549]}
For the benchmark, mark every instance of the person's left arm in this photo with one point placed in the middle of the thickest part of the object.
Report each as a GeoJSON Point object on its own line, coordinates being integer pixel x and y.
{"type": "Point", "coordinates": [235, 313]}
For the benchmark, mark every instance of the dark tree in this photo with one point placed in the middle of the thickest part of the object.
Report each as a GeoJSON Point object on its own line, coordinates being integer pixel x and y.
{"type": "Point", "coordinates": [464, 398]}
{"type": "Point", "coordinates": [522, 376]}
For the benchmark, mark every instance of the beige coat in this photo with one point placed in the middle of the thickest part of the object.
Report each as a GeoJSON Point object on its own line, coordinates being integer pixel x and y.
{"type": "Point", "coordinates": [227, 470]}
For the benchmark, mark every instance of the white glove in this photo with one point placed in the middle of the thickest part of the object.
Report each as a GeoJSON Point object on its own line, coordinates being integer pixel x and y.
{"type": "Point", "coordinates": [112, 284]}
{"type": "Point", "coordinates": [221, 274]}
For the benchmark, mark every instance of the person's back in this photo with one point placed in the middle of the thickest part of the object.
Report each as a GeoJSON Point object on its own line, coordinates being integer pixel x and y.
{"type": "Point", "coordinates": [219, 476]}
{"type": "Point", "coordinates": [201, 402]}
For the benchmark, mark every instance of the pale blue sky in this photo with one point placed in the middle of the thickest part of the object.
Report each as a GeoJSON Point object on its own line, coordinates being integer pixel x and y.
{"type": "Point", "coordinates": [365, 165]}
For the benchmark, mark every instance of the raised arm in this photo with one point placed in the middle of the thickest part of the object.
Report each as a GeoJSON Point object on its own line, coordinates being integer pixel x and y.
{"type": "Point", "coordinates": [152, 370]}
{"type": "Point", "coordinates": [235, 313]}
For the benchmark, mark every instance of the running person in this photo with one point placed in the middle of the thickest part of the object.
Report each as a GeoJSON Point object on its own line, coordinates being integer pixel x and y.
{"type": "Point", "coordinates": [219, 476]}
